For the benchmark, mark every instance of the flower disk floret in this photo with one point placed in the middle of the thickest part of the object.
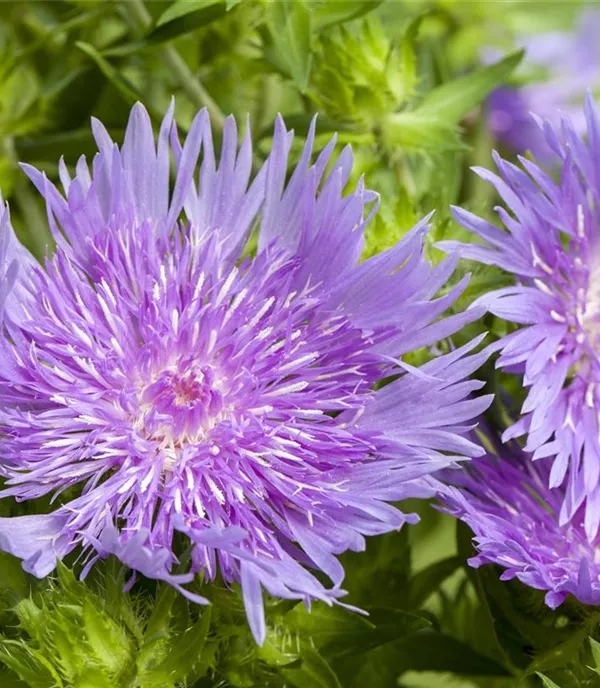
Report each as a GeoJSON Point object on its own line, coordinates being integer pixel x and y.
{"type": "Point", "coordinates": [505, 499]}
{"type": "Point", "coordinates": [552, 249]}
{"type": "Point", "coordinates": [160, 377]}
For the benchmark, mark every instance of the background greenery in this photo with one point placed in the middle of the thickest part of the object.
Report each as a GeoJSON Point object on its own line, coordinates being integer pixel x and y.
{"type": "Point", "coordinates": [403, 83]}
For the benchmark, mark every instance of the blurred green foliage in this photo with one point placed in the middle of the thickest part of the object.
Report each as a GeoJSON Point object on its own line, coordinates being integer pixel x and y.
{"type": "Point", "coordinates": [403, 83]}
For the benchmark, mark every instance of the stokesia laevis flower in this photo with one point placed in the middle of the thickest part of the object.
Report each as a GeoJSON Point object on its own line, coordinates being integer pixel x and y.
{"type": "Point", "coordinates": [505, 499]}
{"type": "Point", "coordinates": [552, 248]}
{"type": "Point", "coordinates": [568, 64]}
{"type": "Point", "coordinates": [181, 385]}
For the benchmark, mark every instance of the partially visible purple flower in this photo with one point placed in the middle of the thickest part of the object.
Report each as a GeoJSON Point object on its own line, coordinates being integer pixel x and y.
{"type": "Point", "coordinates": [568, 62]}
{"type": "Point", "coordinates": [157, 377]}
{"type": "Point", "coordinates": [552, 247]}
{"type": "Point", "coordinates": [505, 500]}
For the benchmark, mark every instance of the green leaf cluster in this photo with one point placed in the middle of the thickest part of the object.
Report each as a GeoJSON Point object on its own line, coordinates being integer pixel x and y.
{"type": "Point", "coordinates": [69, 633]}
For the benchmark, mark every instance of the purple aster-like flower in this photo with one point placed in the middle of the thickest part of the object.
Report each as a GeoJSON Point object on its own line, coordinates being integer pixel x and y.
{"type": "Point", "coordinates": [159, 377]}
{"type": "Point", "coordinates": [552, 248]}
{"type": "Point", "coordinates": [505, 499]}
{"type": "Point", "coordinates": [568, 62]}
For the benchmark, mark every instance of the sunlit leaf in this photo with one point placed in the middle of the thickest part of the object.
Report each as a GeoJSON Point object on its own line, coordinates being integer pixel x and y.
{"type": "Point", "coordinates": [548, 683]}
{"type": "Point", "coordinates": [331, 12]}
{"type": "Point", "coordinates": [182, 8]}
{"type": "Point", "coordinates": [413, 131]}
{"type": "Point", "coordinates": [452, 100]}
{"type": "Point", "coordinates": [311, 671]}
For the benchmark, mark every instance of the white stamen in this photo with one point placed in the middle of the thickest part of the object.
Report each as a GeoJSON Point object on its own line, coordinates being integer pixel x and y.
{"type": "Point", "coordinates": [288, 389]}
{"type": "Point", "coordinates": [212, 341]}
{"type": "Point", "coordinates": [147, 480]}
{"type": "Point", "coordinates": [538, 261]}
{"type": "Point", "coordinates": [580, 222]}
{"type": "Point", "coordinates": [542, 286]}
{"type": "Point", "coordinates": [589, 395]}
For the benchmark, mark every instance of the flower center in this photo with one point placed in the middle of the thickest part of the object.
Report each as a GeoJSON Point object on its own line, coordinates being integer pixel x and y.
{"type": "Point", "coordinates": [181, 404]}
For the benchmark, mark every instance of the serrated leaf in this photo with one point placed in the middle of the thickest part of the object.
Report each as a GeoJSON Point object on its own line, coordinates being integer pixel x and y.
{"type": "Point", "coordinates": [183, 654]}
{"type": "Point", "coordinates": [451, 101]}
{"type": "Point", "coordinates": [29, 664]}
{"type": "Point", "coordinates": [408, 56]}
{"type": "Point", "coordinates": [30, 618]}
{"type": "Point", "coordinates": [333, 12]}
{"type": "Point", "coordinates": [289, 24]}
{"type": "Point", "coordinates": [109, 642]}
{"type": "Point", "coordinates": [548, 683]}
{"type": "Point", "coordinates": [311, 671]}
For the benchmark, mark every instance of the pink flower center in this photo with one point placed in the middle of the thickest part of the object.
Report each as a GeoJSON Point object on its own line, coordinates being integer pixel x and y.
{"type": "Point", "coordinates": [181, 404]}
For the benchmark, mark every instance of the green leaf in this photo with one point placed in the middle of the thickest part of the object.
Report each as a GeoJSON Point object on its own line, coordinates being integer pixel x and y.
{"type": "Point", "coordinates": [92, 678]}
{"type": "Point", "coordinates": [109, 642]}
{"type": "Point", "coordinates": [595, 648]}
{"type": "Point", "coordinates": [335, 631]}
{"type": "Point", "coordinates": [390, 624]}
{"type": "Point", "coordinates": [12, 575]}
{"type": "Point", "coordinates": [379, 576]}
{"type": "Point", "coordinates": [184, 653]}
{"type": "Point", "coordinates": [332, 12]}
{"type": "Point", "coordinates": [565, 653]}
{"type": "Point", "coordinates": [158, 621]}
{"type": "Point", "coordinates": [50, 147]}
{"type": "Point", "coordinates": [427, 581]}
{"type": "Point", "coordinates": [430, 650]}
{"type": "Point", "coordinates": [408, 56]}
{"type": "Point", "coordinates": [450, 102]}
{"type": "Point", "coordinates": [29, 664]}
{"type": "Point", "coordinates": [311, 671]}
{"type": "Point", "coordinates": [181, 8]}
{"type": "Point", "coordinates": [183, 17]}
{"type": "Point", "coordinates": [326, 625]}
{"type": "Point", "coordinates": [289, 24]}
{"type": "Point", "coordinates": [414, 131]}
{"type": "Point", "coordinates": [9, 680]}
{"type": "Point", "coordinates": [548, 683]}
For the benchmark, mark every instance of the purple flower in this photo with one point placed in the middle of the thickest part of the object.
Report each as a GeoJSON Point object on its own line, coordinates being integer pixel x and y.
{"type": "Point", "coordinates": [505, 500]}
{"type": "Point", "coordinates": [159, 377]}
{"type": "Point", "coordinates": [552, 248]}
{"type": "Point", "coordinates": [569, 61]}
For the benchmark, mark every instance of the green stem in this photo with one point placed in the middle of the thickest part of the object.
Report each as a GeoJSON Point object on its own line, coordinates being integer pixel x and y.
{"type": "Point", "coordinates": [188, 81]}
